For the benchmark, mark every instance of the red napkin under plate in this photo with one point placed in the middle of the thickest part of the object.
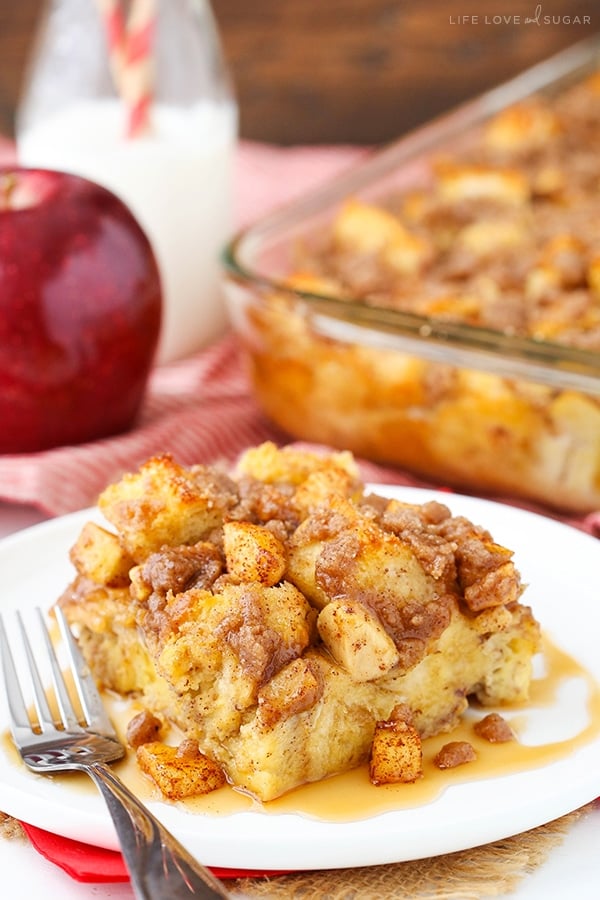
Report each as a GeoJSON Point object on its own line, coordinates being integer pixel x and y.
{"type": "Point", "coordinates": [90, 864]}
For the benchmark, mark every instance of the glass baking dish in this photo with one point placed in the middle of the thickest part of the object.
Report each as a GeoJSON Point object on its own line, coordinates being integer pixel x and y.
{"type": "Point", "coordinates": [484, 409]}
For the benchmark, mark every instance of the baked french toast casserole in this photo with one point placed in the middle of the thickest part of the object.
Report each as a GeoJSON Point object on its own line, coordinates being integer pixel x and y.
{"type": "Point", "coordinates": [280, 615]}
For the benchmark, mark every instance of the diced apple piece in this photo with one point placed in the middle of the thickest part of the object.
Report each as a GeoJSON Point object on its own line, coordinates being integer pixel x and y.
{"type": "Point", "coordinates": [396, 753]}
{"type": "Point", "coordinates": [98, 555]}
{"type": "Point", "coordinates": [179, 775]}
{"type": "Point", "coordinates": [357, 640]}
{"type": "Point", "coordinates": [294, 689]}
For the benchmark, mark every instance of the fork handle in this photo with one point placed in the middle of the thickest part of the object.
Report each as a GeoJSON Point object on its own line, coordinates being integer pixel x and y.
{"type": "Point", "coordinates": [159, 866]}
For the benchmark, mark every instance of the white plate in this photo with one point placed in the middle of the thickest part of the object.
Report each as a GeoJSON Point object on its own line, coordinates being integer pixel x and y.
{"type": "Point", "coordinates": [561, 567]}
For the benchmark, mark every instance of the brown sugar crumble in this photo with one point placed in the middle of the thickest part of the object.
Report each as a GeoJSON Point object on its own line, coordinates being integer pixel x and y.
{"type": "Point", "coordinates": [142, 729]}
{"type": "Point", "coordinates": [453, 754]}
{"type": "Point", "coordinates": [494, 728]}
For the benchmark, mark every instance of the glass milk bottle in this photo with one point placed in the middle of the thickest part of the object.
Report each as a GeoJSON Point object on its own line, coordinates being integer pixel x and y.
{"type": "Point", "coordinates": [136, 97]}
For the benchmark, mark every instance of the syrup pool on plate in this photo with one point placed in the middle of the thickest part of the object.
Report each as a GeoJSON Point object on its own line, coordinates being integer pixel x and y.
{"type": "Point", "coordinates": [545, 733]}
{"type": "Point", "coordinates": [177, 181]}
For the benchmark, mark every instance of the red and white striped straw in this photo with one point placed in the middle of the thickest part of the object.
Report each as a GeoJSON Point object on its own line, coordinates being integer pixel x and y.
{"type": "Point", "coordinates": [113, 17]}
{"type": "Point", "coordinates": [138, 70]}
{"type": "Point", "coordinates": [131, 44]}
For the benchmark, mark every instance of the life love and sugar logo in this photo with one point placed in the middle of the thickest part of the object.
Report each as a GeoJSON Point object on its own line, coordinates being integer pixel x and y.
{"type": "Point", "coordinates": [536, 16]}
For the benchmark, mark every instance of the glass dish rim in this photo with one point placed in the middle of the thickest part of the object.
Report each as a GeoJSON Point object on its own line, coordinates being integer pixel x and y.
{"type": "Point", "coordinates": [559, 366]}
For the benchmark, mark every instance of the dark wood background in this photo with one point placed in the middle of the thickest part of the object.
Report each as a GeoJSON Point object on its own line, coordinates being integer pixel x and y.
{"type": "Point", "coordinates": [334, 71]}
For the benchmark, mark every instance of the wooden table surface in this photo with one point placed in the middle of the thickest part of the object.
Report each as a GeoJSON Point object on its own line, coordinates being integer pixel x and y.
{"type": "Point", "coordinates": [359, 71]}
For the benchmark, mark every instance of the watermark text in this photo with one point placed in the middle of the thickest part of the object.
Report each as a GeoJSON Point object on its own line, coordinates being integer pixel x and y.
{"type": "Point", "coordinates": [538, 17]}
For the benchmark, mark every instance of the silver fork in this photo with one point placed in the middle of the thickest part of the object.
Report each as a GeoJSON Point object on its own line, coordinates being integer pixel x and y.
{"type": "Point", "coordinates": [159, 866]}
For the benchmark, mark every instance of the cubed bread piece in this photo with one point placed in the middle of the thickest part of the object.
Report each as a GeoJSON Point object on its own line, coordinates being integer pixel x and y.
{"type": "Point", "coordinates": [253, 553]}
{"type": "Point", "coordinates": [521, 127]}
{"type": "Point", "coordinates": [457, 182]}
{"type": "Point", "coordinates": [288, 465]}
{"type": "Point", "coordinates": [489, 236]}
{"type": "Point", "coordinates": [164, 503]}
{"type": "Point", "coordinates": [98, 555]}
{"type": "Point", "coordinates": [363, 228]}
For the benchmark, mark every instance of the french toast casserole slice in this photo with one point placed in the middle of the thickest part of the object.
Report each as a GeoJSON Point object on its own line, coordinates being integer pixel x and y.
{"type": "Point", "coordinates": [278, 614]}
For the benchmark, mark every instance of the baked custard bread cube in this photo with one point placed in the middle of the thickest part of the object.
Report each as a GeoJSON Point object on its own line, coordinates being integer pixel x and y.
{"type": "Point", "coordinates": [280, 616]}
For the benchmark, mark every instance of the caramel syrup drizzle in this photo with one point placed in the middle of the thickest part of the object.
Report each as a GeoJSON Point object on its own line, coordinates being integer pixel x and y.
{"type": "Point", "coordinates": [351, 796]}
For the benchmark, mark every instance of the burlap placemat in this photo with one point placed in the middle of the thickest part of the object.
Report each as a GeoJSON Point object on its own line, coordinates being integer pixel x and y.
{"type": "Point", "coordinates": [489, 871]}
{"type": "Point", "coordinates": [10, 828]}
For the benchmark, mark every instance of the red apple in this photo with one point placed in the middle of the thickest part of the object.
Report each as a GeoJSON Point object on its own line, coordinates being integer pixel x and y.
{"type": "Point", "coordinates": [80, 307]}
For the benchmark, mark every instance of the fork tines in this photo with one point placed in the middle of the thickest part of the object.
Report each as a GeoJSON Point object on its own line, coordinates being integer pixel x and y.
{"type": "Point", "coordinates": [36, 653]}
